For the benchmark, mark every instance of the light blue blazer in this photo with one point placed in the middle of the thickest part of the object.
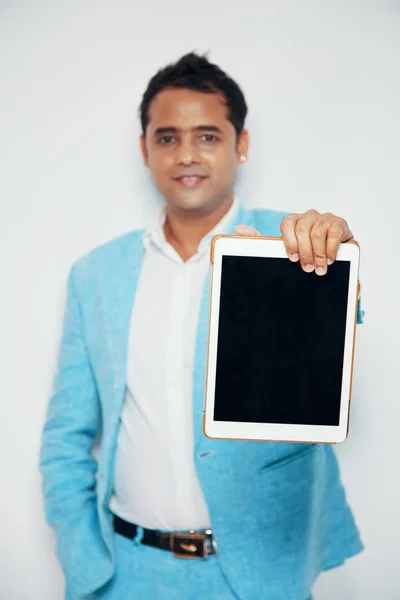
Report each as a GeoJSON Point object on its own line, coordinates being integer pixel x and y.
{"type": "Point", "coordinates": [278, 510]}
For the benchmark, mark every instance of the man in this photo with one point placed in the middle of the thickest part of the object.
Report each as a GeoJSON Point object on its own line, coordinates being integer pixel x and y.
{"type": "Point", "coordinates": [259, 520]}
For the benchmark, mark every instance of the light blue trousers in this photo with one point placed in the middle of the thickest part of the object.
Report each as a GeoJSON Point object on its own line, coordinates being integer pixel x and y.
{"type": "Point", "coordinates": [146, 573]}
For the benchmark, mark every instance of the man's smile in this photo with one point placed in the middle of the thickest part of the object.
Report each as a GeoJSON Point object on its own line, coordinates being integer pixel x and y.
{"type": "Point", "coordinates": [190, 181]}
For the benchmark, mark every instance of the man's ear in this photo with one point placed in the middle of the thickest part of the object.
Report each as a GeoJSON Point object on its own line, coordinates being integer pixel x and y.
{"type": "Point", "coordinates": [144, 150]}
{"type": "Point", "coordinates": [242, 146]}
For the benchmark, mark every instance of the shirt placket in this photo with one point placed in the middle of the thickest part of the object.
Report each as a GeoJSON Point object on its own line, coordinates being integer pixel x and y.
{"type": "Point", "coordinates": [179, 409]}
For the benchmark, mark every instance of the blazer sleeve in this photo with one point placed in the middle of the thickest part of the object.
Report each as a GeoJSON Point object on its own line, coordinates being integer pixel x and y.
{"type": "Point", "coordinates": [66, 463]}
{"type": "Point", "coordinates": [360, 313]}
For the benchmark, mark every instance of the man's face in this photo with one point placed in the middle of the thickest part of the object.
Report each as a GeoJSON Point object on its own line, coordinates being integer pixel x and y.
{"type": "Point", "coordinates": [192, 149]}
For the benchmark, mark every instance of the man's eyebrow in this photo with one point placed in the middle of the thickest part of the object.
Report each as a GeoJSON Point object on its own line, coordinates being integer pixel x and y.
{"type": "Point", "coordinates": [207, 128]}
{"type": "Point", "coordinates": [161, 130]}
{"type": "Point", "coordinates": [164, 130]}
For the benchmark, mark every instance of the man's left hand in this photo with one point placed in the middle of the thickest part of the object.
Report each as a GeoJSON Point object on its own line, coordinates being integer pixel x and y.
{"type": "Point", "coordinates": [311, 237]}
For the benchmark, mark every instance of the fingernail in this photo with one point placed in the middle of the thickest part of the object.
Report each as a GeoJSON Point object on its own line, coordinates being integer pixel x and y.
{"type": "Point", "coordinates": [320, 271]}
{"type": "Point", "coordinates": [330, 262]}
{"type": "Point", "coordinates": [294, 257]}
{"type": "Point", "coordinates": [308, 268]}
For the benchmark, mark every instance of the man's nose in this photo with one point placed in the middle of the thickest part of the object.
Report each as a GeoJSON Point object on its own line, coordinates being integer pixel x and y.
{"type": "Point", "coordinates": [187, 153]}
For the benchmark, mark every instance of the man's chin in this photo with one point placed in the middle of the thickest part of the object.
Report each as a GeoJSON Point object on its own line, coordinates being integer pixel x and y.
{"type": "Point", "coordinates": [191, 204]}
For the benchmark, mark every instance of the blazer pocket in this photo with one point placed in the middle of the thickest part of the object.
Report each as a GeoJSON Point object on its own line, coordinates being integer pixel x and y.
{"type": "Point", "coordinates": [287, 459]}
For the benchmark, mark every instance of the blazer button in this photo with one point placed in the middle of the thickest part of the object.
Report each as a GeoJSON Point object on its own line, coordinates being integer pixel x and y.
{"type": "Point", "coordinates": [205, 454]}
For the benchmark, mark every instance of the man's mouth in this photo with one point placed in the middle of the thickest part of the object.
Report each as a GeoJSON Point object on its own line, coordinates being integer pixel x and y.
{"type": "Point", "coordinates": [190, 180]}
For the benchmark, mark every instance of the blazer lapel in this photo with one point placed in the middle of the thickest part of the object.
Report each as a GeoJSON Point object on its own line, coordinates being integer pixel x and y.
{"type": "Point", "coordinates": [121, 285]}
{"type": "Point", "coordinates": [199, 374]}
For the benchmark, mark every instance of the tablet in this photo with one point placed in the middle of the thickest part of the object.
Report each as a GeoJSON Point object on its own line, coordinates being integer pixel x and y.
{"type": "Point", "coordinates": [281, 343]}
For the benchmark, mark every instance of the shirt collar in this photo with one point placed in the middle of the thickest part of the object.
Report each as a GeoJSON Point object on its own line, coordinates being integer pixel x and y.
{"type": "Point", "coordinates": [155, 232]}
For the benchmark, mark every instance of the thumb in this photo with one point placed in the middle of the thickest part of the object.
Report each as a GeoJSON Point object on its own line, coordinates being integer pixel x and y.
{"type": "Point", "coordinates": [246, 230]}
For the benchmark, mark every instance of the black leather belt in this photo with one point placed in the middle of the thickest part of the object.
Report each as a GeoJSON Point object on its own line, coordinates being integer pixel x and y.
{"type": "Point", "coordinates": [191, 544]}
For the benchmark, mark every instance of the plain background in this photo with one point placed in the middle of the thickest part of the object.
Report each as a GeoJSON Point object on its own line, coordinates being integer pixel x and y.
{"type": "Point", "coordinates": [322, 81]}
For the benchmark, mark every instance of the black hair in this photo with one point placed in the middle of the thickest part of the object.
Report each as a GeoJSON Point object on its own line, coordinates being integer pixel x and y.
{"type": "Point", "coordinates": [195, 72]}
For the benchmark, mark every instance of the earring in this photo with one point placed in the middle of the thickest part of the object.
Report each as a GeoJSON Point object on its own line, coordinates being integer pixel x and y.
{"type": "Point", "coordinates": [243, 158]}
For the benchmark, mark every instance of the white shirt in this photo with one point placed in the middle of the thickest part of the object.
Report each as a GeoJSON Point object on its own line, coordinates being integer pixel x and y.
{"type": "Point", "coordinates": [155, 482]}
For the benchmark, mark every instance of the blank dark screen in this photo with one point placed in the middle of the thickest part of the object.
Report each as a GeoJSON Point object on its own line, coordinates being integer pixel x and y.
{"type": "Point", "coordinates": [280, 342]}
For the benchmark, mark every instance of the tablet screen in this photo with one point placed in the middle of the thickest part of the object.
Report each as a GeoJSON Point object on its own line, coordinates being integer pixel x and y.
{"type": "Point", "coordinates": [281, 336]}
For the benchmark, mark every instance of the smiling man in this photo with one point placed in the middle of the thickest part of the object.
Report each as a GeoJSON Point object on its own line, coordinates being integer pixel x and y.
{"type": "Point", "coordinates": [259, 520]}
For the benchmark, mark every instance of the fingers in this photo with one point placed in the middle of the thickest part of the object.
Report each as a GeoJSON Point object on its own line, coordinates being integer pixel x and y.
{"type": "Point", "coordinates": [303, 232]}
{"type": "Point", "coordinates": [334, 239]}
{"type": "Point", "coordinates": [296, 231]}
{"type": "Point", "coordinates": [318, 236]}
{"type": "Point", "coordinates": [314, 239]}
{"type": "Point", "coordinates": [288, 226]}
{"type": "Point", "coordinates": [246, 230]}
{"type": "Point", "coordinates": [338, 232]}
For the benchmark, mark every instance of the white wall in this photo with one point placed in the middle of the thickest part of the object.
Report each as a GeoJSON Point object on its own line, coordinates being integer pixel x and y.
{"type": "Point", "coordinates": [322, 82]}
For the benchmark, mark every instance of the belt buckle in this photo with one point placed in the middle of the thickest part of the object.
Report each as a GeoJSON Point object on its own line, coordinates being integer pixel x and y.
{"type": "Point", "coordinates": [192, 545]}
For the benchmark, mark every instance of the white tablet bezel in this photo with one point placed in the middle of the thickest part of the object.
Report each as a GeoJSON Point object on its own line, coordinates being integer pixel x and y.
{"type": "Point", "coordinates": [233, 245]}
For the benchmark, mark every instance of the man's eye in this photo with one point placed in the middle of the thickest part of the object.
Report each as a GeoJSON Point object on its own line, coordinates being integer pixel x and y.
{"type": "Point", "coordinates": [166, 139]}
{"type": "Point", "coordinates": [208, 137]}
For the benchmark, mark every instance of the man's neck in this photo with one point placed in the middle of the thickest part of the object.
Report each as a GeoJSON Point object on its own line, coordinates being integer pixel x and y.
{"type": "Point", "coordinates": [185, 231]}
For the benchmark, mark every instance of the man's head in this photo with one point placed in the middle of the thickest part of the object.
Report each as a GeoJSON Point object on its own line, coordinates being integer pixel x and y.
{"type": "Point", "coordinates": [193, 137]}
